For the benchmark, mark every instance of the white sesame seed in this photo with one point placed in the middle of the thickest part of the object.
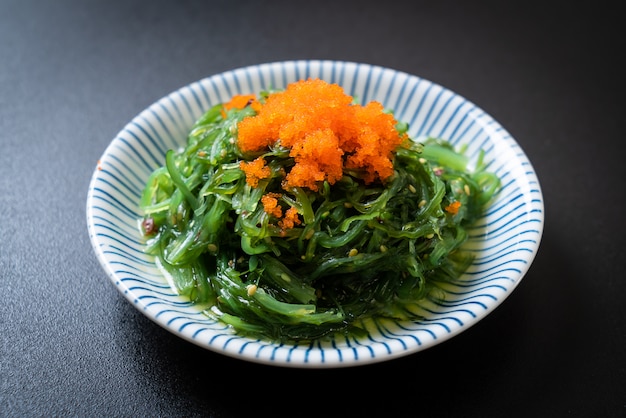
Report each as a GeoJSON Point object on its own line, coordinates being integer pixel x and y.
{"type": "Point", "coordinates": [251, 288]}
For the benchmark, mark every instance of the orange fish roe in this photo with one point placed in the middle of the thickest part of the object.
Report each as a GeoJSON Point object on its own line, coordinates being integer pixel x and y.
{"type": "Point", "coordinates": [271, 207]}
{"type": "Point", "coordinates": [290, 220]}
{"type": "Point", "coordinates": [239, 102]}
{"type": "Point", "coordinates": [270, 204]}
{"type": "Point", "coordinates": [325, 133]}
{"type": "Point", "coordinates": [453, 208]}
{"type": "Point", "coordinates": [255, 170]}
{"type": "Point", "coordinates": [318, 158]}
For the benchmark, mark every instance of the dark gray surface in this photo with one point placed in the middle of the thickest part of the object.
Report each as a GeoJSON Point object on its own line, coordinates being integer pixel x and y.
{"type": "Point", "coordinates": [72, 73]}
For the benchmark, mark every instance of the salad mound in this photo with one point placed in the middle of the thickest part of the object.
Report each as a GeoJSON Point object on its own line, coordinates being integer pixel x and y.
{"type": "Point", "coordinates": [298, 213]}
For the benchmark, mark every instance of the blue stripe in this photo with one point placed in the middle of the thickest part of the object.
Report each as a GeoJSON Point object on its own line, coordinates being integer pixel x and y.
{"type": "Point", "coordinates": [408, 99]}
{"type": "Point", "coordinates": [388, 94]}
{"type": "Point", "coordinates": [448, 123]}
{"type": "Point", "coordinates": [366, 88]}
{"type": "Point", "coordinates": [430, 110]}
{"type": "Point", "coordinates": [163, 125]}
{"type": "Point", "coordinates": [160, 146]}
{"type": "Point", "coordinates": [237, 89]}
{"type": "Point", "coordinates": [354, 82]}
{"type": "Point", "coordinates": [138, 278]}
{"type": "Point", "coordinates": [420, 104]}
{"type": "Point", "coordinates": [377, 86]}
{"type": "Point", "coordinates": [190, 113]}
{"type": "Point", "coordinates": [112, 201]}
{"type": "Point", "coordinates": [178, 121]}
{"type": "Point", "coordinates": [118, 178]}
{"type": "Point", "coordinates": [207, 100]}
{"type": "Point", "coordinates": [112, 218]}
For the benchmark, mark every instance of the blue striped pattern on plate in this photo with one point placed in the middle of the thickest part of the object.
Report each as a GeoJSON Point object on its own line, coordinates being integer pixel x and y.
{"type": "Point", "coordinates": [505, 240]}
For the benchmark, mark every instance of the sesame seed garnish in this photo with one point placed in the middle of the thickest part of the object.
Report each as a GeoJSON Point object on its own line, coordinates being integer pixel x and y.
{"type": "Point", "coordinates": [251, 288]}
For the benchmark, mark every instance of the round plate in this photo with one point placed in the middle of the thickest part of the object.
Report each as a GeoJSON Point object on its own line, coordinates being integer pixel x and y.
{"type": "Point", "coordinates": [505, 241]}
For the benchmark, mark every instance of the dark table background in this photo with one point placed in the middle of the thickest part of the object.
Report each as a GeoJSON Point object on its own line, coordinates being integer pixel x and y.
{"type": "Point", "coordinates": [73, 73]}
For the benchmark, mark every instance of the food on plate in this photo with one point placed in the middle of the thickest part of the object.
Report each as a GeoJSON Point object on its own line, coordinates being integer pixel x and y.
{"type": "Point", "coordinates": [293, 214]}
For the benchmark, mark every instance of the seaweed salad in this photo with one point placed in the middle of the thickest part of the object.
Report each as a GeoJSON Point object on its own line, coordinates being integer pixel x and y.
{"type": "Point", "coordinates": [292, 214]}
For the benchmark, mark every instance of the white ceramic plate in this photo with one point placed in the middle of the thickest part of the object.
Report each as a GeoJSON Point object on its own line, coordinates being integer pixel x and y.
{"type": "Point", "coordinates": [505, 240]}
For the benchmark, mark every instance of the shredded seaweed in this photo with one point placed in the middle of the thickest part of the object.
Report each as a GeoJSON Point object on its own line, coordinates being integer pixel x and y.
{"type": "Point", "coordinates": [291, 215]}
